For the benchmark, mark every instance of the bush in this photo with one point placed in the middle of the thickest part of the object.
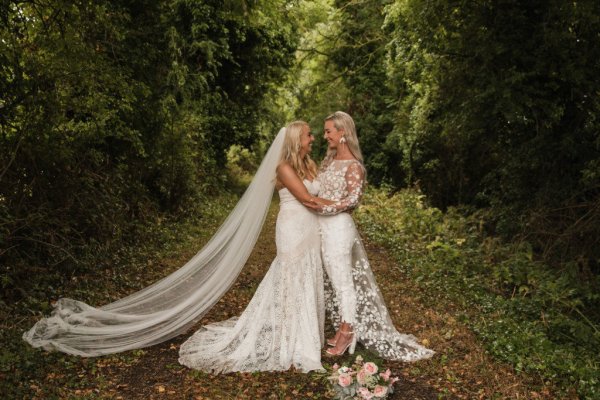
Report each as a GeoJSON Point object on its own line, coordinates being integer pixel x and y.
{"type": "Point", "coordinates": [538, 319]}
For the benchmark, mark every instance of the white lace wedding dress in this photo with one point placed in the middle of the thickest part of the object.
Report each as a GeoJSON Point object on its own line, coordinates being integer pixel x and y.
{"type": "Point", "coordinates": [283, 323]}
{"type": "Point", "coordinates": [351, 292]}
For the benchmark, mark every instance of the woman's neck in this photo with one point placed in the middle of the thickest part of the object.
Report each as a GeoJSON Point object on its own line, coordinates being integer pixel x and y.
{"type": "Point", "coordinates": [343, 154]}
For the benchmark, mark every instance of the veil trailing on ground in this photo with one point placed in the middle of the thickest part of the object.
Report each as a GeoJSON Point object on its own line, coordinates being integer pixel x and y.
{"type": "Point", "coordinates": [170, 306]}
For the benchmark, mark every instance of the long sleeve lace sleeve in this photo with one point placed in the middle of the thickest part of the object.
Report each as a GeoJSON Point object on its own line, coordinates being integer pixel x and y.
{"type": "Point", "coordinates": [355, 179]}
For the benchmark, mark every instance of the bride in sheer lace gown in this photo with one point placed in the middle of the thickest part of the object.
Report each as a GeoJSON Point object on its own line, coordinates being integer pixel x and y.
{"type": "Point", "coordinates": [353, 299]}
{"type": "Point", "coordinates": [282, 325]}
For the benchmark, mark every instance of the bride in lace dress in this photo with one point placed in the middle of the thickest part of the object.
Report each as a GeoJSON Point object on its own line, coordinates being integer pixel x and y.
{"type": "Point", "coordinates": [353, 299]}
{"type": "Point", "coordinates": [283, 323]}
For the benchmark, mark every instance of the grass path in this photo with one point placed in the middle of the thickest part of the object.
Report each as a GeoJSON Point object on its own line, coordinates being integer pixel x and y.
{"type": "Point", "coordinates": [460, 370]}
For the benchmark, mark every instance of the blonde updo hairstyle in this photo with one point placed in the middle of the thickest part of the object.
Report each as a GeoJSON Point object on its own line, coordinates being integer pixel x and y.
{"type": "Point", "coordinates": [305, 167]}
{"type": "Point", "coordinates": [344, 122]}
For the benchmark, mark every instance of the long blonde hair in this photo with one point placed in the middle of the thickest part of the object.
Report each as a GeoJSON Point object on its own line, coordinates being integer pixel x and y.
{"type": "Point", "coordinates": [305, 167]}
{"type": "Point", "coordinates": [343, 121]}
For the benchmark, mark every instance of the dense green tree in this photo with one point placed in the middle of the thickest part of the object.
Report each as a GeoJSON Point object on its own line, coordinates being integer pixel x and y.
{"type": "Point", "coordinates": [112, 112]}
{"type": "Point", "coordinates": [243, 52]}
{"type": "Point", "coordinates": [498, 106]}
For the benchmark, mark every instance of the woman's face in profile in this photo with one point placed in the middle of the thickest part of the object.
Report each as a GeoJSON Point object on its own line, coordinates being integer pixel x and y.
{"type": "Point", "coordinates": [306, 139]}
{"type": "Point", "coordinates": [332, 135]}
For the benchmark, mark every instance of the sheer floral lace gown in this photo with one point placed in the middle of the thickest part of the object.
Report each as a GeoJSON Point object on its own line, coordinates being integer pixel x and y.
{"type": "Point", "coordinates": [282, 325]}
{"type": "Point", "coordinates": [351, 292]}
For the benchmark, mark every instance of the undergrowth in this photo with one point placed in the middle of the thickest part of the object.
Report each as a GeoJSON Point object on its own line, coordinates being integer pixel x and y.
{"type": "Point", "coordinates": [28, 373]}
{"type": "Point", "coordinates": [538, 319]}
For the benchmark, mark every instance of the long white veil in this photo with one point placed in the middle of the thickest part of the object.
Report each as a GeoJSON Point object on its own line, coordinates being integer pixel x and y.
{"type": "Point", "coordinates": [170, 306]}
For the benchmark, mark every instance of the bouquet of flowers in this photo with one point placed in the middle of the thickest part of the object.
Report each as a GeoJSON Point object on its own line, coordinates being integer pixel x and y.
{"type": "Point", "coordinates": [361, 381]}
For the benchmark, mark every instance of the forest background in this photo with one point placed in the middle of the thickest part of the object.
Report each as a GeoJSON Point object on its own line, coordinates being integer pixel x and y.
{"type": "Point", "coordinates": [479, 121]}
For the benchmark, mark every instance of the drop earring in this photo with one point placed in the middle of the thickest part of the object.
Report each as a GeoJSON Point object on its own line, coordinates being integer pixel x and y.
{"type": "Point", "coordinates": [343, 140]}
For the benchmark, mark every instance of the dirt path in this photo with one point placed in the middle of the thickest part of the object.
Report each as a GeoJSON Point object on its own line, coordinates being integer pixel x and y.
{"type": "Point", "coordinates": [460, 370]}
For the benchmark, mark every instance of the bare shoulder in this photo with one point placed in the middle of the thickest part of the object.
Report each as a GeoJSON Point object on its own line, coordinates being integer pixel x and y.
{"type": "Point", "coordinates": [284, 169]}
{"type": "Point", "coordinates": [283, 165]}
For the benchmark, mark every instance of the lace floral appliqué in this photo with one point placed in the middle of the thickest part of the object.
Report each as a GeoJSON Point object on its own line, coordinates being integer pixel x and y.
{"type": "Point", "coordinates": [342, 181]}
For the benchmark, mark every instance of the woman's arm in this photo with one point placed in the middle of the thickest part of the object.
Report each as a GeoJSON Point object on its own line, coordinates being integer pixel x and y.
{"type": "Point", "coordinates": [290, 179]}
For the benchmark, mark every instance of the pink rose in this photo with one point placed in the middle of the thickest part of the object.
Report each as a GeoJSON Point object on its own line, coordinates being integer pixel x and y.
{"type": "Point", "coordinates": [344, 380]}
{"type": "Point", "coordinates": [364, 393]}
{"type": "Point", "coordinates": [361, 376]}
{"type": "Point", "coordinates": [385, 375]}
{"type": "Point", "coordinates": [370, 368]}
{"type": "Point", "coordinates": [380, 391]}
